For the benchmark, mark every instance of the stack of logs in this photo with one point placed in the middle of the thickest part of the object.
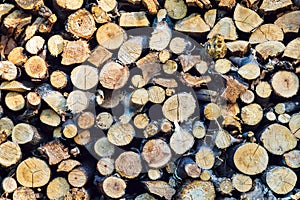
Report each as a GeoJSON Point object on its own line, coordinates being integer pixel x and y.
{"type": "Point", "coordinates": [216, 116]}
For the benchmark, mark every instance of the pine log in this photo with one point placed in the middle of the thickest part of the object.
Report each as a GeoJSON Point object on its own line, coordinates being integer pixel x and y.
{"type": "Point", "coordinates": [79, 176]}
{"type": "Point", "coordinates": [154, 174]}
{"type": "Point", "coordinates": [49, 117]}
{"type": "Point", "coordinates": [57, 188]}
{"type": "Point", "coordinates": [84, 77]}
{"type": "Point", "coordinates": [199, 130]}
{"type": "Point", "coordinates": [164, 55]}
{"type": "Point", "coordinates": [291, 50]}
{"type": "Point", "coordinates": [104, 120]}
{"type": "Point", "coordinates": [131, 50]}
{"type": "Point", "coordinates": [179, 45]}
{"type": "Point", "coordinates": [10, 154]}
{"type": "Point", "coordinates": [17, 56]}
{"type": "Point", "coordinates": [14, 101]}
{"type": "Point", "coordinates": [247, 97]}
{"type": "Point", "coordinates": [151, 129]}
{"type": "Point", "coordinates": [35, 44]}
{"type": "Point", "coordinates": [284, 118]}
{"type": "Point", "coordinates": [67, 165]}
{"type": "Point", "coordinates": [114, 187]}
{"type": "Point", "coordinates": [294, 125]}
{"type": "Point", "coordinates": [205, 158]}
{"type": "Point", "coordinates": [160, 37]}
{"type": "Point", "coordinates": [224, 27]}
{"type": "Point", "coordinates": [24, 193]}
{"type": "Point", "coordinates": [139, 97]}
{"type": "Point", "coordinates": [252, 114]}
{"type": "Point", "coordinates": [197, 189]}
{"type": "Point", "coordinates": [223, 66]}
{"type": "Point", "coordinates": [271, 116]}
{"type": "Point", "coordinates": [268, 6]}
{"type": "Point", "coordinates": [249, 71]}
{"type": "Point", "coordinates": [8, 71]}
{"type": "Point", "coordinates": [129, 164]}
{"type": "Point", "coordinates": [246, 19]}
{"type": "Point", "coordinates": [120, 134]}
{"type": "Point", "coordinates": [289, 22]}
{"type": "Point", "coordinates": [151, 5]}
{"type": "Point", "coordinates": [210, 17]}
{"type": "Point", "coordinates": [263, 90]}
{"type": "Point", "coordinates": [9, 185]}
{"type": "Point", "coordinates": [291, 159]}
{"type": "Point", "coordinates": [269, 49]}
{"type": "Point", "coordinates": [56, 45]}
{"type": "Point", "coordinates": [100, 16]}
{"type": "Point", "coordinates": [58, 79]}
{"type": "Point", "coordinates": [77, 101]}
{"type": "Point", "coordinates": [36, 67]}
{"type": "Point", "coordinates": [192, 24]}
{"type": "Point", "coordinates": [55, 151]}
{"type": "Point", "coordinates": [212, 111]}
{"type": "Point", "coordinates": [22, 133]}
{"type": "Point", "coordinates": [241, 182]}
{"type": "Point", "coordinates": [166, 126]}
{"type": "Point", "coordinates": [86, 120]}
{"type": "Point", "coordinates": [225, 186]}
{"type": "Point", "coordinates": [160, 188]}
{"type": "Point", "coordinates": [176, 9]}
{"type": "Point", "coordinates": [223, 139]}
{"type": "Point", "coordinates": [266, 32]}
{"type": "Point", "coordinates": [238, 48]}
{"type": "Point", "coordinates": [133, 19]}
{"type": "Point", "coordinates": [75, 52]}
{"type": "Point", "coordinates": [170, 67]}
{"type": "Point", "coordinates": [181, 140]}
{"type": "Point", "coordinates": [187, 168]}
{"type": "Point", "coordinates": [69, 129]}
{"type": "Point", "coordinates": [106, 166]}
{"type": "Point", "coordinates": [33, 100]}
{"type": "Point", "coordinates": [83, 137]}
{"type": "Point", "coordinates": [156, 94]}
{"type": "Point", "coordinates": [103, 148]}
{"type": "Point", "coordinates": [141, 121]}
{"type": "Point", "coordinates": [285, 84]}
{"type": "Point", "coordinates": [107, 5]}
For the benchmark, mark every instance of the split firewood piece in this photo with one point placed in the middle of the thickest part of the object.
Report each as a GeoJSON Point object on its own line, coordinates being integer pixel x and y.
{"type": "Point", "coordinates": [181, 141]}
{"type": "Point", "coordinates": [67, 165]}
{"type": "Point", "coordinates": [57, 188]}
{"type": "Point", "coordinates": [79, 176]}
{"type": "Point", "coordinates": [280, 180]}
{"type": "Point", "coordinates": [120, 134]}
{"type": "Point", "coordinates": [227, 4]}
{"type": "Point", "coordinates": [144, 196]}
{"type": "Point", "coordinates": [199, 130]}
{"type": "Point", "coordinates": [49, 117]}
{"type": "Point", "coordinates": [266, 32]}
{"type": "Point", "coordinates": [268, 6]}
{"type": "Point", "coordinates": [36, 67]}
{"type": "Point", "coordinates": [233, 89]}
{"type": "Point", "coordinates": [252, 114]}
{"type": "Point", "coordinates": [103, 148]}
{"type": "Point", "coordinates": [251, 158]}
{"type": "Point", "coordinates": [22, 133]}
{"type": "Point", "coordinates": [188, 61]}
{"type": "Point", "coordinates": [14, 101]}
{"type": "Point", "coordinates": [176, 9]}
{"type": "Point", "coordinates": [131, 50]}
{"type": "Point", "coordinates": [16, 21]}
{"type": "Point", "coordinates": [269, 49]}
{"type": "Point", "coordinates": [24, 193]}
{"type": "Point", "coordinates": [9, 185]}
{"type": "Point", "coordinates": [223, 66]}
{"type": "Point", "coordinates": [133, 19]}
{"type": "Point", "coordinates": [284, 118]}
{"type": "Point", "coordinates": [263, 89]}
{"type": "Point", "coordinates": [99, 56]}
{"type": "Point", "coordinates": [17, 56]}
{"type": "Point", "coordinates": [291, 159]}
{"type": "Point", "coordinates": [139, 97]}
{"type": "Point", "coordinates": [35, 45]}
{"type": "Point", "coordinates": [33, 172]}
{"type": "Point", "coordinates": [285, 84]}
{"type": "Point", "coordinates": [55, 151]}
{"type": "Point", "coordinates": [59, 79]}
{"type": "Point", "coordinates": [14, 86]}
{"type": "Point", "coordinates": [212, 111]}
{"type": "Point", "coordinates": [224, 27]}
{"type": "Point", "coordinates": [8, 71]}
{"type": "Point", "coordinates": [75, 52]}
{"type": "Point", "coordinates": [83, 137]}
{"type": "Point", "coordinates": [289, 22]}
{"type": "Point", "coordinates": [107, 5]}
{"type": "Point", "coordinates": [10, 154]}
{"type": "Point", "coordinates": [114, 187]}
{"type": "Point", "coordinates": [164, 55]}
{"type": "Point", "coordinates": [77, 101]}
{"type": "Point", "coordinates": [179, 45]}
{"type": "Point", "coordinates": [30, 5]}
{"type": "Point", "coordinates": [160, 188]}
{"type": "Point", "coordinates": [33, 101]}
{"type": "Point", "coordinates": [238, 48]}
{"type": "Point", "coordinates": [151, 130]}
{"type": "Point", "coordinates": [56, 45]}
{"type": "Point", "coordinates": [241, 182]}
{"type": "Point", "coordinates": [69, 4]}
{"type": "Point", "coordinates": [156, 94]}
{"type": "Point", "coordinates": [192, 24]}
{"type": "Point", "coordinates": [249, 71]}
{"type": "Point", "coordinates": [104, 120]}
{"type": "Point", "coordinates": [141, 121]}
{"type": "Point", "coordinates": [278, 139]}
{"type": "Point", "coordinates": [224, 186]}
{"type": "Point", "coordinates": [77, 193]}
{"type": "Point", "coordinates": [86, 120]}
{"type": "Point", "coordinates": [187, 168]}
{"type": "Point", "coordinates": [32, 29]}
{"type": "Point", "coordinates": [179, 107]}
{"type": "Point", "coordinates": [154, 174]}
{"type": "Point", "coordinates": [81, 24]}
{"type": "Point", "coordinates": [246, 19]}
{"type": "Point", "coordinates": [223, 139]}
{"type": "Point", "coordinates": [210, 17]}
{"type": "Point", "coordinates": [292, 49]}
{"type": "Point", "coordinates": [84, 77]}
{"type": "Point", "coordinates": [170, 67]}
{"type": "Point", "coordinates": [113, 75]}
{"type": "Point", "coordinates": [53, 98]}
{"type": "Point", "coordinates": [106, 166]}
{"type": "Point", "coordinates": [69, 129]}
{"type": "Point", "coordinates": [160, 37]}
{"type": "Point", "coordinates": [6, 127]}
{"type": "Point", "coordinates": [198, 188]}
{"type": "Point", "coordinates": [129, 164]}
{"type": "Point", "coordinates": [151, 5]}
{"type": "Point", "coordinates": [5, 8]}
{"type": "Point", "coordinates": [149, 65]}
{"type": "Point", "coordinates": [156, 153]}
{"type": "Point", "coordinates": [165, 82]}
{"type": "Point", "coordinates": [294, 125]}
{"type": "Point", "coordinates": [100, 16]}
{"type": "Point", "coordinates": [205, 158]}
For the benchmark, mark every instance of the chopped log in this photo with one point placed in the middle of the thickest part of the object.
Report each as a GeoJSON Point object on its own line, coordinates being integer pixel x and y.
{"type": "Point", "coordinates": [268, 6]}
{"type": "Point", "coordinates": [188, 61]}
{"type": "Point", "coordinates": [250, 158]}
{"type": "Point", "coordinates": [151, 5]}
{"type": "Point", "coordinates": [99, 56]}
{"type": "Point", "coordinates": [35, 45]}
{"type": "Point", "coordinates": [252, 114]}
{"type": "Point", "coordinates": [5, 8]}
{"type": "Point", "coordinates": [284, 118]}
{"type": "Point", "coordinates": [176, 8]}
{"type": "Point", "coordinates": [160, 37]}
{"type": "Point", "coordinates": [83, 137]}
{"type": "Point", "coordinates": [192, 24]}
{"type": "Point", "coordinates": [114, 187]}
{"type": "Point", "coordinates": [291, 50]}
{"type": "Point", "coordinates": [49, 117]}
{"type": "Point", "coordinates": [133, 19]}
{"type": "Point", "coordinates": [141, 121]}
{"type": "Point", "coordinates": [151, 130]}
{"type": "Point", "coordinates": [10, 154]}
{"type": "Point", "coordinates": [84, 77]}
{"type": "Point", "coordinates": [113, 75]}
{"type": "Point", "coordinates": [69, 129]}
{"type": "Point", "coordinates": [291, 159]}
{"type": "Point", "coordinates": [289, 22]}
{"type": "Point", "coordinates": [16, 21]}
{"type": "Point", "coordinates": [205, 158]}
{"type": "Point", "coordinates": [59, 79]}
{"type": "Point", "coordinates": [210, 17]}
{"type": "Point", "coordinates": [14, 101]}
{"type": "Point", "coordinates": [166, 126]}
{"type": "Point", "coordinates": [8, 71]}
{"type": "Point", "coordinates": [77, 193]}
{"type": "Point", "coordinates": [225, 186]}
{"type": "Point", "coordinates": [278, 139]}
{"type": "Point", "coordinates": [199, 130]}
{"type": "Point", "coordinates": [181, 141]}
{"type": "Point", "coordinates": [223, 66]}
{"type": "Point", "coordinates": [6, 127]}
{"type": "Point", "coordinates": [103, 148]}
{"type": "Point", "coordinates": [57, 188]}
{"type": "Point", "coordinates": [104, 120]}
{"type": "Point", "coordinates": [131, 50]}
{"type": "Point", "coordinates": [179, 45]}
{"type": "Point", "coordinates": [69, 4]}
{"type": "Point", "coordinates": [247, 97]}
{"type": "Point", "coordinates": [107, 5]}
{"type": "Point", "coordinates": [32, 29]}
{"type": "Point", "coordinates": [24, 193]}
{"type": "Point", "coordinates": [154, 174]}
{"type": "Point", "coordinates": [285, 84]}
{"type": "Point", "coordinates": [156, 153]}
{"type": "Point", "coordinates": [271, 116]}
{"type": "Point", "coordinates": [223, 139]}
{"type": "Point", "coordinates": [139, 97]}
{"type": "Point", "coordinates": [22, 133]}
{"type": "Point", "coordinates": [224, 27]}
{"type": "Point", "coordinates": [197, 189]}
{"type": "Point", "coordinates": [246, 19]}
{"type": "Point", "coordinates": [194, 81]}
{"type": "Point", "coordinates": [170, 67]}
{"type": "Point", "coordinates": [156, 94]}
{"type": "Point", "coordinates": [67, 165]}
{"type": "Point", "coordinates": [55, 151]}
{"type": "Point", "coordinates": [269, 49]}
{"type": "Point", "coordinates": [249, 71]}
{"type": "Point", "coordinates": [280, 180]}
{"type": "Point", "coordinates": [17, 56]}
{"type": "Point", "coordinates": [77, 101]}
{"type": "Point", "coordinates": [29, 5]}
{"type": "Point", "coordinates": [187, 168]}
{"type": "Point", "coordinates": [238, 48]}
{"type": "Point", "coordinates": [86, 120]}
{"type": "Point", "coordinates": [212, 111]}
{"type": "Point", "coordinates": [129, 164]}
{"type": "Point", "coordinates": [81, 24]}
{"type": "Point", "coordinates": [14, 86]}
{"type": "Point", "coordinates": [233, 89]}
{"type": "Point", "coordinates": [164, 56]}
{"type": "Point", "coordinates": [100, 16]}
{"type": "Point", "coordinates": [106, 166]}
{"type": "Point", "coordinates": [36, 67]}
{"type": "Point", "coordinates": [263, 89]}
{"type": "Point", "coordinates": [33, 100]}
{"type": "Point", "coordinates": [216, 47]}
{"type": "Point", "coordinates": [241, 182]}
{"type": "Point", "coordinates": [160, 188]}
{"type": "Point", "coordinates": [33, 172]}
{"type": "Point", "coordinates": [78, 177]}
{"type": "Point", "coordinates": [227, 4]}
{"type": "Point", "coordinates": [75, 52]}
{"type": "Point", "coordinates": [294, 125]}
{"type": "Point", "coordinates": [120, 134]}
{"type": "Point", "coordinates": [205, 175]}
{"type": "Point", "coordinates": [56, 45]}
{"type": "Point", "coordinates": [266, 32]}
{"type": "Point", "coordinates": [9, 185]}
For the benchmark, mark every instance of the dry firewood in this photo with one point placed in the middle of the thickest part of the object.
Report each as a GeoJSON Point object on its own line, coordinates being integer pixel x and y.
{"type": "Point", "coordinates": [223, 66]}
{"type": "Point", "coordinates": [263, 90]}
{"type": "Point", "coordinates": [280, 180]}
{"type": "Point", "coordinates": [287, 107]}
{"type": "Point", "coordinates": [164, 55]}
{"type": "Point", "coordinates": [77, 101]}
{"type": "Point", "coordinates": [55, 151]}
{"type": "Point", "coordinates": [22, 133]}
{"type": "Point", "coordinates": [212, 111]}
{"type": "Point", "coordinates": [268, 6]}
{"type": "Point", "coordinates": [291, 158]}
{"type": "Point", "coordinates": [57, 188]}
{"type": "Point", "coordinates": [141, 121]}
{"type": "Point", "coordinates": [284, 118]}
{"type": "Point", "coordinates": [285, 84]}
{"type": "Point", "coordinates": [205, 158]}
{"type": "Point", "coordinates": [216, 47]}
{"type": "Point", "coordinates": [291, 50]}
{"type": "Point", "coordinates": [238, 48]}
{"type": "Point", "coordinates": [5, 8]}
{"type": "Point", "coordinates": [241, 182]}
{"type": "Point", "coordinates": [233, 89]}
{"type": "Point", "coordinates": [206, 95]}
{"type": "Point", "coordinates": [188, 61]}
{"type": "Point", "coordinates": [224, 186]}
{"type": "Point", "coordinates": [139, 97]}
{"type": "Point", "coordinates": [17, 56]}
{"type": "Point", "coordinates": [100, 16]}
{"type": "Point", "coordinates": [114, 187]}
{"type": "Point", "coordinates": [33, 172]}
{"type": "Point", "coordinates": [269, 49]}
{"type": "Point", "coordinates": [24, 193]}
{"type": "Point", "coordinates": [14, 101]}
{"type": "Point", "coordinates": [7, 44]}
{"type": "Point", "coordinates": [179, 45]}
{"type": "Point", "coordinates": [223, 139]}
{"type": "Point", "coordinates": [294, 125]}
{"type": "Point", "coordinates": [79, 176]}
{"type": "Point", "coordinates": [151, 129]}
{"type": "Point", "coordinates": [270, 116]}
{"type": "Point", "coordinates": [103, 148]}
{"type": "Point", "coordinates": [68, 4]}
{"type": "Point", "coordinates": [160, 37]}
{"type": "Point", "coordinates": [133, 19]}
{"type": "Point", "coordinates": [113, 75]}
{"type": "Point", "coordinates": [49, 117]}
{"type": "Point", "coordinates": [86, 120]}
{"type": "Point", "coordinates": [104, 120]}
{"type": "Point", "coordinates": [35, 44]}
{"type": "Point", "coordinates": [249, 71]}
{"type": "Point", "coordinates": [8, 71]}
{"type": "Point", "coordinates": [246, 19]}
{"type": "Point", "coordinates": [77, 193]}
{"type": "Point", "coordinates": [151, 5]}
{"type": "Point", "coordinates": [56, 45]}
{"type": "Point", "coordinates": [166, 126]}
{"type": "Point", "coordinates": [69, 129]}
{"type": "Point", "coordinates": [192, 24]}
{"type": "Point", "coordinates": [168, 83]}
{"type": "Point", "coordinates": [205, 175]}
{"type": "Point", "coordinates": [197, 189]}
{"type": "Point", "coordinates": [250, 158]}
{"type": "Point", "coordinates": [176, 9]}
{"type": "Point", "coordinates": [10, 154]}
{"type": "Point", "coordinates": [179, 107]}
{"type": "Point", "coordinates": [9, 185]}
{"type": "Point", "coordinates": [36, 67]}
{"type": "Point", "coordinates": [156, 94]}
{"type": "Point", "coordinates": [84, 77]}
{"type": "Point", "coordinates": [187, 168]}
{"type": "Point", "coordinates": [59, 79]}
{"type": "Point", "coordinates": [278, 139]}
{"type": "Point", "coordinates": [228, 4]}
{"type": "Point", "coordinates": [106, 166]}
{"type": "Point", "coordinates": [129, 164]}
{"type": "Point", "coordinates": [266, 32]}
{"type": "Point", "coordinates": [194, 81]}
{"type": "Point", "coordinates": [120, 134]}
{"type": "Point", "coordinates": [289, 22]}
{"type": "Point", "coordinates": [181, 141]}
{"type": "Point", "coordinates": [83, 137]}
{"type": "Point", "coordinates": [195, 3]}
{"type": "Point", "coordinates": [170, 67]}
{"type": "Point", "coordinates": [210, 17]}
{"type": "Point", "coordinates": [160, 188]}
{"type": "Point", "coordinates": [16, 21]}
{"type": "Point", "coordinates": [149, 65]}
{"type": "Point", "coordinates": [46, 26]}
{"type": "Point", "coordinates": [144, 196]}
{"type": "Point", "coordinates": [33, 101]}
{"type": "Point", "coordinates": [99, 56]}
{"type": "Point", "coordinates": [75, 52]}
{"type": "Point", "coordinates": [6, 127]}
{"type": "Point", "coordinates": [107, 5]}
{"type": "Point", "coordinates": [252, 114]}
{"type": "Point", "coordinates": [131, 50]}
{"type": "Point", "coordinates": [14, 86]}
{"type": "Point", "coordinates": [224, 27]}
{"type": "Point", "coordinates": [67, 165]}
{"type": "Point", "coordinates": [199, 130]}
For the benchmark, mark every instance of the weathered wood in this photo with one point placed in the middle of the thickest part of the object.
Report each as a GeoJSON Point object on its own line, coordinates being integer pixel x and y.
{"type": "Point", "coordinates": [252, 114]}
{"type": "Point", "coordinates": [49, 117]}
{"type": "Point", "coordinates": [291, 159]}
{"type": "Point", "coordinates": [246, 19]}
{"type": "Point", "coordinates": [249, 71]}
{"type": "Point", "coordinates": [179, 45]}
{"type": "Point", "coordinates": [223, 139]}
{"type": "Point", "coordinates": [241, 182]}
{"type": "Point", "coordinates": [268, 6]}
{"type": "Point", "coordinates": [205, 158]}
{"type": "Point", "coordinates": [269, 49]}
{"type": "Point", "coordinates": [294, 125]}
{"type": "Point", "coordinates": [192, 24]}
{"type": "Point", "coordinates": [160, 37]}
{"type": "Point", "coordinates": [151, 129]}
{"type": "Point", "coordinates": [228, 4]}
{"type": "Point", "coordinates": [75, 52]}
{"type": "Point", "coordinates": [100, 16]}
{"type": "Point", "coordinates": [160, 188]}
{"type": "Point", "coordinates": [289, 22]}
{"type": "Point", "coordinates": [198, 188]}
{"type": "Point", "coordinates": [67, 165]}
{"type": "Point", "coordinates": [83, 137]}
{"type": "Point", "coordinates": [114, 187]}
{"type": "Point", "coordinates": [285, 84]}
{"type": "Point", "coordinates": [84, 77]}
{"type": "Point", "coordinates": [176, 9]}
{"type": "Point", "coordinates": [212, 111]}
{"type": "Point", "coordinates": [238, 48]}
{"type": "Point", "coordinates": [247, 97]}
{"type": "Point", "coordinates": [106, 166]}
{"type": "Point", "coordinates": [210, 17]}
{"type": "Point", "coordinates": [291, 50]}
{"type": "Point", "coordinates": [141, 121]}
{"type": "Point", "coordinates": [151, 5]}
{"type": "Point", "coordinates": [263, 90]}
{"type": "Point", "coordinates": [33, 100]}
{"type": "Point", "coordinates": [110, 36]}
{"type": "Point", "coordinates": [77, 193]}
{"type": "Point", "coordinates": [103, 147]}
{"type": "Point", "coordinates": [77, 101]}
{"type": "Point", "coordinates": [69, 129]}
{"type": "Point", "coordinates": [225, 186]}
{"type": "Point", "coordinates": [24, 193]}
{"type": "Point", "coordinates": [181, 140]}
{"type": "Point", "coordinates": [78, 177]}
{"type": "Point", "coordinates": [5, 8]}
{"type": "Point", "coordinates": [223, 66]}
{"type": "Point", "coordinates": [224, 27]}
{"type": "Point", "coordinates": [129, 164]}
{"type": "Point", "coordinates": [17, 56]}
{"type": "Point", "coordinates": [69, 4]}
{"type": "Point", "coordinates": [9, 184]}
{"type": "Point", "coordinates": [164, 55]}
{"type": "Point", "coordinates": [120, 134]}
{"type": "Point", "coordinates": [56, 45]}
{"type": "Point", "coordinates": [14, 101]}
{"type": "Point", "coordinates": [22, 133]}
{"type": "Point", "coordinates": [104, 120]}
{"type": "Point", "coordinates": [107, 5]}
{"type": "Point", "coordinates": [59, 79]}
{"type": "Point", "coordinates": [10, 153]}
{"type": "Point", "coordinates": [55, 151]}
{"type": "Point", "coordinates": [8, 71]}
{"type": "Point", "coordinates": [35, 45]}
{"type": "Point", "coordinates": [233, 89]}
{"type": "Point", "coordinates": [57, 188]}
{"type": "Point", "coordinates": [131, 50]}
{"type": "Point", "coordinates": [36, 67]}
{"type": "Point", "coordinates": [133, 19]}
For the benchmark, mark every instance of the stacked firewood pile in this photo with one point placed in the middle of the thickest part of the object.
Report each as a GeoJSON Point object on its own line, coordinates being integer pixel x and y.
{"type": "Point", "coordinates": [149, 99]}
